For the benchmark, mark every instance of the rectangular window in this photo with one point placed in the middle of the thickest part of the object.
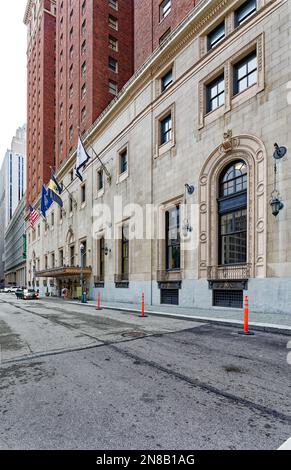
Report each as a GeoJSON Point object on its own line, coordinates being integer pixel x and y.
{"type": "Point", "coordinates": [83, 47]}
{"type": "Point", "coordinates": [216, 36]}
{"type": "Point", "coordinates": [113, 4]}
{"type": "Point", "coordinates": [123, 159]}
{"type": "Point", "coordinates": [246, 10]}
{"type": "Point", "coordinates": [164, 36]}
{"type": "Point", "coordinates": [112, 87]}
{"type": "Point", "coordinates": [124, 253]}
{"type": "Point", "coordinates": [61, 258]}
{"type": "Point", "coordinates": [84, 68]}
{"type": "Point", "coordinates": [72, 255]}
{"type": "Point", "coordinates": [83, 254]}
{"type": "Point", "coordinates": [53, 219]}
{"type": "Point", "coordinates": [233, 238]}
{"type": "Point", "coordinates": [83, 114]}
{"type": "Point", "coordinates": [166, 129]}
{"type": "Point", "coordinates": [113, 43]}
{"type": "Point", "coordinates": [167, 80]}
{"type": "Point", "coordinates": [173, 248]}
{"type": "Point", "coordinates": [228, 298]}
{"type": "Point", "coordinates": [165, 9]}
{"type": "Point", "coordinates": [83, 91]}
{"type": "Point", "coordinates": [83, 193]}
{"type": "Point", "coordinates": [53, 260]}
{"type": "Point", "coordinates": [71, 132]}
{"type": "Point", "coordinates": [102, 259]}
{"type": "Point", "coordinates": [84, 27]}
{"type": "Point", "coordinates": [215, 92]}
{"type": "Point", "coordinates": [71, 204]}
{"type": "Point", "coordinates": [84, 7]}
{"type": "Point", "coordinates": [113, 22]}
{"type": "Point", "coordinates": [245, 73]}
{"type": "Point", "coordinates": [100, 180]}
{"type": "Point", "coordinates": [112, 64]}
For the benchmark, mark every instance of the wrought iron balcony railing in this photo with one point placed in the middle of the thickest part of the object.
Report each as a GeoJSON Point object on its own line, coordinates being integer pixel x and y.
{"type": "Point", "coordinates": [229, 273]}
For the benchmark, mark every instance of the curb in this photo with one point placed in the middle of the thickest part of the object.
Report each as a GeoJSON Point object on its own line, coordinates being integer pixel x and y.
{"type": "Point", "coordinates": [265, 327]}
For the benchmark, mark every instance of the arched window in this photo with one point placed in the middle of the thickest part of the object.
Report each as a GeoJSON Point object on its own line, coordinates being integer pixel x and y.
{"type": "Point", "coordinates": [232, 210]}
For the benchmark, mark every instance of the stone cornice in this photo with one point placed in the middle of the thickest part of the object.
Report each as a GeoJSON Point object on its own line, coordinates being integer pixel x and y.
{"type": "Point", "coordinates": [27, 13]}
{"type": "Point", "coordinates": [203, 14]}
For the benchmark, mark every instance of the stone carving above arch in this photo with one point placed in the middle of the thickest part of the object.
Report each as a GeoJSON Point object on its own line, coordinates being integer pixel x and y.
{"type": "Point", "coordinates": [250, 149]}
{"type": "Point", "coordinates": [70, 238]}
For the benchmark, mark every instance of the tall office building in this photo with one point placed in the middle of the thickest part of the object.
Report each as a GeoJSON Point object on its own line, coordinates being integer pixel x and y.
{"type": "Point", "coordinates": [94, 59]}
{"type": "Point", "coordinates": [40, 18]}
{"type": "Point", "coordinates": [154, 22]}
{"type": "Point", "coordinates": [12, 185]}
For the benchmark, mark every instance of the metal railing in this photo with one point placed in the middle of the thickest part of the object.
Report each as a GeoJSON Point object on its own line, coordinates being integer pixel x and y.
{"type": "Point", "coordinates": [230, 273]}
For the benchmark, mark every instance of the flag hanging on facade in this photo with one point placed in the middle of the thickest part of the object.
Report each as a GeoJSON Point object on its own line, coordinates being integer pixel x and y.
{"type": "Point", "coordinates": [54, 191]}
{"type": "Point", "coordinates": [33, 216]}
{"type": "Point", "coordinates": [46, 201]}
{"type": "Point", "coordinates": [82, 158]}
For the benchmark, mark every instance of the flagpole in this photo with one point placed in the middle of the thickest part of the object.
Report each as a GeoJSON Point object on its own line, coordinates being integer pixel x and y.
{"type": "Point", "coordinates": [109, 178]}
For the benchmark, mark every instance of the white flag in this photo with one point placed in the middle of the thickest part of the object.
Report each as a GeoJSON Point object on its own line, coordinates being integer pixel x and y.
{"type": "Point", "coordinates": [82, 158]}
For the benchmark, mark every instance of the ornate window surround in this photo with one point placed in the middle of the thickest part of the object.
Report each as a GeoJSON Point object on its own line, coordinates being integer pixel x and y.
{"type": "Point", "coordinates": [232, 101]}
{"type": "Point", "coordinates": [250, 149]}
{"type": "Point", "coordinates": [162, 274]}
{"type": "Point", "coordinates": [229, 17]}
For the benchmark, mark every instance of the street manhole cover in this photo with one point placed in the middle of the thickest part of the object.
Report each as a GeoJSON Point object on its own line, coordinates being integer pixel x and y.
{"type": "Point", "coordinates": [133, 334]}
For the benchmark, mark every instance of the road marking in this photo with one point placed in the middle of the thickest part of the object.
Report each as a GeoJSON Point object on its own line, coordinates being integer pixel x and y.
{"type": "Point", "coordinates": [286, 445]}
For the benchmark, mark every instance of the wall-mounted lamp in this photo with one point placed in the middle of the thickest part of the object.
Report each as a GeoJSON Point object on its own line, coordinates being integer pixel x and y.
{"type": "Point", "coordinates": [276, 201]}
{"type": "Point", "coordinates": [107, 251]}
{"type": "Point", "coordinates": [190, 189]}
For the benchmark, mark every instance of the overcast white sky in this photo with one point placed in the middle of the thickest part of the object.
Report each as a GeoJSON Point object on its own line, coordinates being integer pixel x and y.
{"type": "Point", "coordinates": [13, 71]}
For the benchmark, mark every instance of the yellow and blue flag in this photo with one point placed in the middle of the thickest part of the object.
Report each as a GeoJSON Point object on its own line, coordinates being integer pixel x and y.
{"type": "Point", "coordinates": [55, 190]}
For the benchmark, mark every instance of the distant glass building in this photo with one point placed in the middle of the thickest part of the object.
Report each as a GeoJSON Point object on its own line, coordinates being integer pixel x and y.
{"type": "Point", "coordinates": [12, 186]}
{"type": "Point", "coordinates": [15, 248]}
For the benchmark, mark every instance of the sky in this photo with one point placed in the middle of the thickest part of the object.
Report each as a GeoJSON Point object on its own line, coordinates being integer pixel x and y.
{"type": "Point", "coordinates": [13, 41]}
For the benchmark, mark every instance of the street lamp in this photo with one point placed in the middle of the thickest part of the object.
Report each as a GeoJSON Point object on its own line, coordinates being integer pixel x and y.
{"type": "Point", "coordinates": [276, 202]}
{"type": "Point", "coordinates": [84, 297]}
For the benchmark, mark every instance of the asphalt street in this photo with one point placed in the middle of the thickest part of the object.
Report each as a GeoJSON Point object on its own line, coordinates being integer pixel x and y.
{"type": "Point", "coordinates": [75, 378]}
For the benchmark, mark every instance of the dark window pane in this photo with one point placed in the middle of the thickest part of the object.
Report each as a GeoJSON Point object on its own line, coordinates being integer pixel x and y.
{"type": "Point", "coordinates": [245, 11]}
{"type": "Point", "coordinates": [216, 36]}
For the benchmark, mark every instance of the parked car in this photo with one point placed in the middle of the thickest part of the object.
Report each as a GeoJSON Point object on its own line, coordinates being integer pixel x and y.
{"type": "Point", "coordinates": [8, 290]}
{"type": "Point", "coordinates": [15, 288]}
{"type": "Point", "coordinates": [30, 294]}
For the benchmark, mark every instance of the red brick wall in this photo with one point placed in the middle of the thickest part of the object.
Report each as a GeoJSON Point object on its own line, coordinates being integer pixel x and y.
{"type": "Point", "coordinates": [147, 26]}
{"type": "Point", "coordinates": [96, 57]}
{"type": "Point", "coordinates": [40, 103]}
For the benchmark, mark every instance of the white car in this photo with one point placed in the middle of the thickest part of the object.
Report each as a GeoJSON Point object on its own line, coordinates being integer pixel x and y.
{"type": "Point", "coordinates": [7, 290]}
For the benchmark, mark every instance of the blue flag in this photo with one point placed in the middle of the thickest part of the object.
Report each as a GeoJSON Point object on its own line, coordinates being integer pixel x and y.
{"type": "Point", "coordinates": [46, 201]}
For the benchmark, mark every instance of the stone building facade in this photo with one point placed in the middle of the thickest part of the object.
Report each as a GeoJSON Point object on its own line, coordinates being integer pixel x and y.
{"type": "Point", "coordinates": [204, 112]}
{"type": "Point", "coordinates": [15, 248]}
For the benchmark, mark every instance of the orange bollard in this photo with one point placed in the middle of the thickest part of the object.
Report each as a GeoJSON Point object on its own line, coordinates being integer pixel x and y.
{"type": "Point", "coordinates": [99, 302]}
{"type": "Point", "coordinates": [246, 318]}
{"type": "Point", "coordinates": [142, 307]}
{"type": "Point", "coordinates": [246, 315]}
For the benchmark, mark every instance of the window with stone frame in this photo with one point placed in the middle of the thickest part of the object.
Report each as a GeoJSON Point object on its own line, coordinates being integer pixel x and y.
{"type": "Point", "coordinates": [173, 239]}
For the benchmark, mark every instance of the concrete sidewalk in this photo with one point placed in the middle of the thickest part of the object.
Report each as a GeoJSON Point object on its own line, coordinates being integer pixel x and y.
{"type": "Point", "coordinates": [276, 323]}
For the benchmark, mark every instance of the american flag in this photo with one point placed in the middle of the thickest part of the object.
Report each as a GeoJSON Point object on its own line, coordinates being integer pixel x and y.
{"type": "Point", "coordinates": [32, 217]}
